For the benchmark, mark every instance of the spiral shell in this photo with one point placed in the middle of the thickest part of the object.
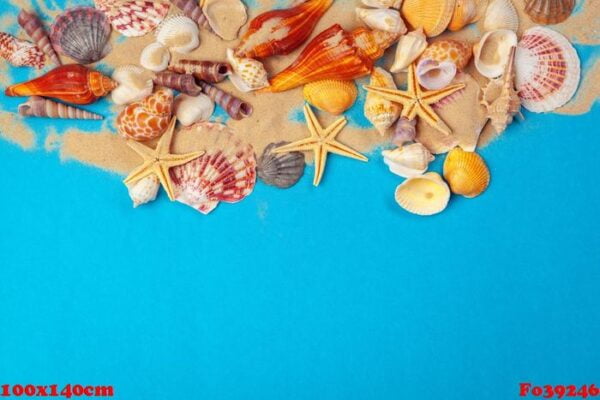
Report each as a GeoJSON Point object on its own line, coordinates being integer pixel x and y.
{"type": "Point", "coordinates": [144, 191]}
{"type": "Point", "coordinates": [249, 74]}
{"type": "Point", "coordinates": [208, 71]}
{"type": "Point", "coordinates": [404, 131]}
{"type": "Point", "coordinates": [179, 34]}
{"type": "Point", "coordinates": [280, 170]}
{"type": "Point", "coordinates": [40, 107]}
{"type": "Point", "coordinates": [455, 51]}
{"type": "Point", "coordinates": [181, 82]}
{"type": "Point", "coordinates": [135, 84]}
{"type": "Point", "coordinates": [147, 119]}
{"type": "Point", "coordinates": [31, 23]}
{"type": "Point", "coordinates": [388, 20]}
{"type": "Point", "coordinates": [192, 109]}
{"type": "Point", "coordinates": [236, 108]}
{"type": "Point", "coordinates": [408, 161]}
{"type": "Point", "coordinates": [434, 75]}
{"type": "Point", "coordinates": [410, 47]}
{"type": "Point", "coordinates": [191, 9]}
{"type": "Point", "coordinates": [381, 112]}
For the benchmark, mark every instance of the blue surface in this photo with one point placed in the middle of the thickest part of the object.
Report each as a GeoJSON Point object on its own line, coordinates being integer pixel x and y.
{"type": "Point", "coordinates": [328, 293]}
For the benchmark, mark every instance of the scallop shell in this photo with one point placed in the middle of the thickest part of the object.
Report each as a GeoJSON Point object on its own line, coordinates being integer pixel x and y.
{"type": "Point", "coordinates": [466, 12]}
{"type": "Point", "coordinates": [549, 11]}
{"type": "Point", "coordinates": [332, 96]}
{"type": "Point", "coordinates": [501, 14]}
{"type": "Point", "coordinates": [280, 170]}
{"type": "Point", "coordinates": [192, 109]}
{"type": "Point", "coordinates": [135, 84]}
{"type": "Point", "coordinates": [225, 17]}
{"type": "Point", "coordinates": [385, 19]}
{"type": "Point", "coordinates": [434, 75]}
{"type": "Point", "coordinates": [179, 34]}
{"type": "Point", "coordinates": [404, 131]}
{"type": "Point", "coordinates": [547, 69]}
{"type": "Point", "coordinates": [466, 173]}
{"type": "Point", "coordinates": [382, 3]}
{"type": "Point", "coordinates": [433, 15]}
{"type": "Point", "coordinates": [144, 191]}
{"type": "Point", "coordinates": [133, 18]}
{"type": "Point", "coordinates": [81, 33]}
{"type": "Point", "coordinates": [20, 53]}
{"type": "Point", "coordinates": [381, 112]}
{"type": "Point", "coordinates": [423, 195]}
{"type": "Point", "coordinates": [493, 51]}
{"type": "Point", "coordinates": [147, 119]}
{"type": "Point", "coordinates": [455, 51]}
{"type": "Point", "coordinates": [226, 172]}
{"type": "Point", "coordinates": [410, 47]}
{"type": "Point", "coordinates": [249, 74]}
{"type": "Point", "coordinates": [408, 161]}
{"type": "Point", "coordinates": [155, 57]}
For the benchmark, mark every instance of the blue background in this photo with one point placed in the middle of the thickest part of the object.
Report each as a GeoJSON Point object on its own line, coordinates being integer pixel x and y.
{"type": "Point", "coordinates": [310, 293]}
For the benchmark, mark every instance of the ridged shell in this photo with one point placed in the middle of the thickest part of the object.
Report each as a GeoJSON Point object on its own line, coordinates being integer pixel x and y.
{"type": "Point", "coordinates": [249, 74]}
{"type": "Point", "coordinates": [408, 161]}
{"type": "Point", "coordinates": [492, 52]}
{"type": "Point", "coordinates": [466, 12]}
{"type": "Point", "coordinates": [155, 57]}
{"type": "Point", "coordinates": [423, 195]}
{"type": "Point", "coordinates": [382, 3]}
{"type": "Point", "coordinates": [32, 24]}
{"type": "Point", "coordinates": [332, 96]}
{"type": "Point", "coordinates": [191, 9]}
{"type": "Point", "coordinates": [209, 71]}
{"type": "Point", "coordinates": [144, 191]}
{"type": "Point", "coordinates": [135, 84]}
{"type": "Point", "coordinates": [386, 19]}
{"type": "Point", "coordinates": [20, 53]}
{"type": "Point", "coordinates": [180, 82]}
{"type": "Point", "coordinates": [501, 14]}
{"type": "Point", "coordinates": [381, 112]}
{"type": "Point", "coordinates": [280, 170]}
{"type": "Point", "coordinates": [133, 18]}
{"type": "Point", "coordinates": [455, 51]}
{"type": "Point", "coordinates": [179, 34]}
{"type": "Point", "coordinates": [236, 108]}
{"type": "Point", "coordinates": [466, 173]}
{"type": "Point", "coordinates": [46, 108]}
{"type": "Point", "coordinates": [547, 69]}
{"type": "Point", "coordinates": [410, 47]}
{"type": "Point", "coordinates": [226, 172]}
{"type": "Point", "coordinates": [225, 17]}
{"type": "Point", "coordinates": [405, 130]}
{"type": "Point", "coordinates": [433, 15]}
{"type": "Point", "coordinates": [147, 119]}
{"type": "Point", "coordinates": [192, 109]}
{"type": "Point", "coordinates": [549, 11]}
{"type": "Point", "coordinates": [434, 75]}
{"type": "Point", "coordinates": [81, 33]}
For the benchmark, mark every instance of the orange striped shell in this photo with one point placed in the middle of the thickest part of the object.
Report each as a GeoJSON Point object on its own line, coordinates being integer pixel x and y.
{"type": "Point", "coordinates": [147, 119]}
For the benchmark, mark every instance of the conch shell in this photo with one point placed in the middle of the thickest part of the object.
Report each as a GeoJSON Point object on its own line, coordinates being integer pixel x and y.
{"type": "Point", "coordinates": [410, 47]}
{"type": "Point", "coordinates": [249, 74]}
{"type": "Point", "coordinates": [404, 131]}
{"type": "Point", "coordinates": [144, 191]}
{"type": "Point", "coordinates": [135, 84]}
{"type": "Point", "coordinates": [192, 109]}
{"type": "Point", "coordinates": [381, 112]}
{"type": "Point", "coordinates": [40, 107]}
{"type": "Point", "coordinates": [147, 119]}
{"type": "Point", "coordinates": [387, 20]}
{"type": "Point", "coordinates": [236, 108]}
{"type": "Point", "coordinates": [423, 195]}
{"type": "Point", "coordinates": [408, 161]}
{"type": "Point", "coordinates": [466, 173]}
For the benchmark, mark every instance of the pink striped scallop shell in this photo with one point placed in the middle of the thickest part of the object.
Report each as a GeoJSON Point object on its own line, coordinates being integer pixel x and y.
{"type": "Point", "coordinates": [133, 18]}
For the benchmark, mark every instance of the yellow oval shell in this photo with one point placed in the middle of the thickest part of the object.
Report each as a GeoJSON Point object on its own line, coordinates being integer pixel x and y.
{"type": "Point", "coordinates": [426, 194]}
{"type": "Point", "coordinates": [433, 15]}
{"type": "Point", "coordinates": [332, 96]}
{"type": "Point", "coordinates": [455, 51]}
{"type": "Point", "coordinates": [466, 173]}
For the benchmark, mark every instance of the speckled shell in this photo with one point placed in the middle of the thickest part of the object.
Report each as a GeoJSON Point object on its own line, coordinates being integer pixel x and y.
{"type": "Point", "coordinates": [155, 57]}
{"type": "Point", "coordinates": [280, 170]}
{"type": "Point", "coordinates": [434, 75]}
{"type": "Point", "coordinates": [225, 17]}
{"type": "Point", "coordinates": [386, 19]}
{"type": "Point", "coordinates": [455, 51]}
{"type": "Point", "coordinates": [501, 14]}
{"type": "Point", "coordinates": [466, 12]}
{"type": "Point", "coordinates": [433, 15]}
{"type": "Point", "coordinates": [46, 108]}
{"type": "Point", "coordinates": [408, 161]}
{"type": "Point", "coordinates": [192, 109]}
{"type": "Point", "coordinates": [549, 11]}
{"type": "Point", "coordinates": [381, 112]}
{"type": "Point", "coordinates": [20, 53]}
{"type": "Point", "coordinates": [331, 96]}
{"type": "Point", "coordinates": [147, 119]}
{"type": "Point", "coordinates": [492, 52]}
{"type": "Point", "coordinates": [466, 173]}
{"type": "Point", "coordinates": [179, 34]}
{"type": "Point", "coordinates": [248, 74]}
{"type": "Point", "coordinates": [135, 84]}
{"type": "Point", "coordinates": [410, 47]}
{"type": "Point", "coordinates": [144, 191]}
{"type": "Point", "coordinates": [133, 18]}
{"type": "Point", "coordinates": [81, 33]}
{"type": "Point", "coordinates": [31, 23]}
{"type": "Point", "coordinates": [424, 195]}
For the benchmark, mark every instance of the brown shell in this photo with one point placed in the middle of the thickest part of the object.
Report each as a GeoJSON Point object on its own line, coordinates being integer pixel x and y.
{"type": "Point", "coordinates": [549, 11]}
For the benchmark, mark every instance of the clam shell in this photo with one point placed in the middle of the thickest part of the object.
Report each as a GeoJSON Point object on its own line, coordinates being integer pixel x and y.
{"type": "Point", "coordinates": [179, 34]}
{"type": "Point", "coordinates": [225, 17]}
{"type": "Point", "coordinates": [466, 173]}
{"type": "Point", "coordinates": [133, 18]}
{"type": "Point", "coordinates": [135, 83]}
{"type": "Point", "coordinates": [155, 57]}
{"type": "Point", "coordinates": [381, 112]}
{"type": "Point", "coordinates": [493, 51]}
{"type": "Point", "coordinates": [147, 119]}
{"type": "Point", "coordinates": [466, 12]}
{"type": "Point", "coordinates": [144, 191]}
{"type": "Point", "coordinates": [410, 47]}
{"type": "Point", "coordinates": [434, 75]}
{"type": "Point", "coordinates": [433, 15]}
{"type": "Point", "coordinates": [192, 109]}
{"type": "Point", "coordinates": [455, 51]}
{"type": "Point", "coordinates": [248, 74]}
{"type": "Point", "coordinates": [408, 161]}
{"type": "Point", "coordinates": [382, 3]}
{"type": "Point", "coordinates": [547, 69]}
{"type": "Point", "coordinates": [423, 195]}
{"type": "Point", "coordinates": [549, 11]}
{"type": "Point", "coordinates": [501, 14]}
{"type": "Point", "coordinates": [332, 96]}
{"type": "Point", "coordinates": [280, 170]}
{"type": "Point", "coordinates": [385, 19]}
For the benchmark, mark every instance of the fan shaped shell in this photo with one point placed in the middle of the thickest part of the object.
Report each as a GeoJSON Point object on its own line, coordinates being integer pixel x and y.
{"type": "Point", "coordinates": [179, 33]}
{"type": "Point", "coordinates": [425, 195]}
{"type": "Point", "coordinates": [433, 15]}
{"type": "Point", "coordinates": [501, 14]}
{"type": "Point", "coordinates": [466, 12]}
{"type": "Point", "coordinates": [332, 96]}
{"type": "Point", "coordinates": [280, 170]}
{"type": "Point", "coordinates": [133, 18]}
{"type": "Point", "coordinates": [549, 11]}
{"type": "Point", "coordinates": [466, 173]}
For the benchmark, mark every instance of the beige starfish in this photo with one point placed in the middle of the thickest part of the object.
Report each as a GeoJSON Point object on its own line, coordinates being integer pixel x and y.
{"type": "Point", "coordinates": [416, 102]}
{"type": "Point", "coordinates": [159, 160]}
{"type": "Point", "coordinates": [321, 142]}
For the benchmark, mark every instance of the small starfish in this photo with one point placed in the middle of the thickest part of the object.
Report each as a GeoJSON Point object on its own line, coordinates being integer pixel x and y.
{"type": "Point", "coordinates": [159, 161]}
{"type": "Point", "coordinates": [321, 142]}
{"type": "Point", "coordinates": [416, 102]}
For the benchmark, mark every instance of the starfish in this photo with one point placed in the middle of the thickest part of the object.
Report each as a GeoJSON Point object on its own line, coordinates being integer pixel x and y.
{"type": "Point", "coordinates": [416, 102]}
{"type": "Point", "coordinates": [321, 142]}
{"type": "Point", "coordinates": [159, 160]}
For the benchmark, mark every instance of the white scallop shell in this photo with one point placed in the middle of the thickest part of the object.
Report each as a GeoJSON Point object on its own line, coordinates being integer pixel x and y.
{"type": "Point", "coordinates": [383, 19]}
{"type": "Point", "coordinates": [225, 17]}
{"type": "Point", "coordinates": [382, 113]}
{"type": "Point", "coordinates": [249, 74]}
{"type": "Point", "coordinates": [179, 33]}
{"type": "Point", "coordinates": [423, 195]}
{"type": "Point", "coordinates": [501, 14]}
{"type": "Point", "coordinates": [408, 161]}
{"type": "Point", "coordinates": [155, 57]}
{"type": "Point", "coordinates": [192, 109]}
{"type": "Point", "coordinates": [434, 75]}
{"type": "Point", "coordinates": [493, 51]}
{"type": "Point", "coordinates": [135, 84]}
{"type": "Point", "coordinates": [144, 191]}
{"type": "Point", "coordinates": [383, 3]}
{"type": "Point", "coordinates": [410, 47]}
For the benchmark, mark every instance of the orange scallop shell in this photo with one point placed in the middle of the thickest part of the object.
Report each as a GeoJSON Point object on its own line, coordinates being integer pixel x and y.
{"type": "Point", "coordinates": [147, 119]}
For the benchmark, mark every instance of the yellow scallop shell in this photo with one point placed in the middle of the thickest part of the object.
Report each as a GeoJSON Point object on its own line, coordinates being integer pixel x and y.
{"type": "Point", "coordinates": [455, 51]}
{"type": "Point", "coordinates": [426, 194]}
{"type": "Point", "coordinates": [433, 15]}
{"type": "Point", "coordinates": [332, 96]}
{"type": "Point", "coordinates": [466, 173]}
{"type": "Point", "coordinates": [466, 12]}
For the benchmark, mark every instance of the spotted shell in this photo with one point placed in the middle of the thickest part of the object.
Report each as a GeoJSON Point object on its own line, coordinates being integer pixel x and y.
{"type": "Point", "coordinates": [248, 74]}
{"type": "Point", "coordinates": [466, 173]}
{"type": "Point", "coordinates": [280, 170]}
{"type": "Point", "coordinates": [147, 119]}
{"type": "Point", "coordinates": [20, 53]}
{"type": "Point", "coordinates": [133, 18]}
{"type": "Point", "coordinates": [331, 96]}
{"type": "Point", "coordinates": [179, 34]}
{"type": "Point", "coordinates": [424, 195]}
{"type": "Point", "coordinates": [455, 51]}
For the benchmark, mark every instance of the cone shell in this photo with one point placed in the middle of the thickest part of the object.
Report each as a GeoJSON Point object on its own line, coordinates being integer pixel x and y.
{"type": "Point", "coordinates": [331, 96]}
{"type": "Point", "coordinates": [493, 51]}
{"type": "Point", "coordinates": [549, 11]}
{"type": "Point", "coordinates": [135, 84]}
{"type": "Point", "coordinates": [280, 170]}
{"type": "Point", "coordinates": [433, 15]}
{"type": "Point", "coordinates": [209, 71]}
{"type": "Point", "coordinates": [410, 47]}
{"type": "Point", "coordinates": [501, 14]}
{"type": "Point", "coordinates": [387, 20]}
{"type": "Point", "coordinates": [31, 23]}
{"type": "Point", "coordinates": [249, 74]}
{"type": "Point", "coordinates": [423, 195]}
{"type": "Point", "coordinates": [179, 34]}
{"type": "Point", "coordinates": [133, 18]}
{"type": "Point", "coordinates": [466, 173]}
{"type": "Point", "coordinates": [147, 119]}
{"type": "Point", "coordinates": [155, 57]}
{"type": "Point", "coordinates": [408, 161]}
{"type": "Point", "coordinates": [45, 108]}
{"type": "Point", "coordinates": [192, 109]}
{"type": "Point", "coordinates": [20, 53]}
{"type": "Point", "coordinates": [434, 75]}
{"type": "Point", "coordinates": [455, 51]}
{"type": "Point", "coordinates": [144, 191]}
{"type": "Point", "coordinates": [382, 3]}
{"type": "Point", "coordinates": [547, 69]}
{"type": "Point", "coordinates": [466, 12]}
{"type": "Point", "coordinates": [225, 17]}
{"type": "Point", "coordinates": [382, 113]}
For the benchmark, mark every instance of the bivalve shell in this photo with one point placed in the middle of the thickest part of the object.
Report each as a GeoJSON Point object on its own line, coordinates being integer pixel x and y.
{"type": "Point", "coordinates": [466, 12]}
{"type": "Point", "coordinates": [225, 17]}
{"type": "Point", "coordinates": [382, 3]}
{"type": "Point", "coordinates": [501, 14]}
{"type": "Point", "coordinates": [155, 57]}
{"type": "Point", "coordinates": [408, 161]}
{"type": "Point", "coordinates": [466, 173]}
{"type": "Point", "coordinates": [433, 15]}
{"type": "Point", "coordinates": [385, 19]}
{"type": "Point", "coordinates": [424, 195]}
{"type": "Point", "coordinates": [280, 170]}
{"type": "Point", "coordinates": [549, 11]}
{"type": "Point", "coordinates": [410, 47]}
{"type": "Point", "coordinates": [134, 18]}
{"type": "Point", "coordinates": [493, 51]}
{"type": "Point", "coordinates": [332, 96]}
{"type": "Point", "coordinates": [192, 109]}
{"type": "Point", "coordinates": [179, 34]}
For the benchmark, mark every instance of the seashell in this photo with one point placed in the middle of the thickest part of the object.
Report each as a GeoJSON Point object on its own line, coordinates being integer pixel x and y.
{"type": "Point", "coordinates": [408, 161]}
{"type": "Point", "coordinates": [382, 113]}
{"type": "Point", "coordinates": [332, 96]}
{"type": "Point", "coordinates": [492, 52]}
{"type": "Point", "coordinates": [384, 19]}
{"type": "Point", "coordinates": [410, 47]}
{"type": "Point", "coordinates": [135, 84]}
{"type": "Point", "coordinates": [72, 83]}
{"type": "Point", "coordinates": [31, 23]}
{"type": "Point", "coordinates": [466, 12]}
{"type": "Point", "coordinates": [373, 43]}
{"type": "Point", "coordinates": [279, 32]}
{"type": "Point", "coordinates": [146, 119]}
{"type": "Point", "coordinates": [434, 75]}
{"type": "Point", "coordinates": [192, 109]}
{"type": "Point", "coordinates": [81, 33]}
{"type": "Point", "coordinates": [20, 53]}
{"type": "Point", "coordinates": [155, 57]}
{"type": "Point", "coordinates": [179, 34]}
{"type": "Point", "coordinates": [466, 173]}
{"type": "Point", "coordinates": [236, 108]}
{"type": "Point", "coordinates": [209, 71]}
{"type": "Point", "coordinates": [501, 14]}
{"type": "Point", "coordinates": [192, 10]}
{"type": "Point", "coordinates": [249, 74]}
{"type": "Point", "coordinates": [226, 172]}
{"type": "Point", "coordinates": [282, 170]}
{"type": "Point", "coordinates": [144, 191]}
{"type": "Point", "coordinates": [225, 17]}
{"type": "Point", "coordinates": [39, 107]}
{"type": "Point", "coordinates": [425, 195]}
{"type": "Point", "coordinates": [433, 15]}
{"type": "Point", "coordinates": [382, 3]}
{"type": "Point", "coordinates": [181, 82]}
{"type": "Point", "coordinates": [547, 69]}
{"type": "Point", "coordinates": [455, 51]}
{"type": "Point", "coordinates": [404, 131]}
{"type": "Point", "coordinates": [134, 18]}
{"type": "Point", "coordinates": [549, 11]}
